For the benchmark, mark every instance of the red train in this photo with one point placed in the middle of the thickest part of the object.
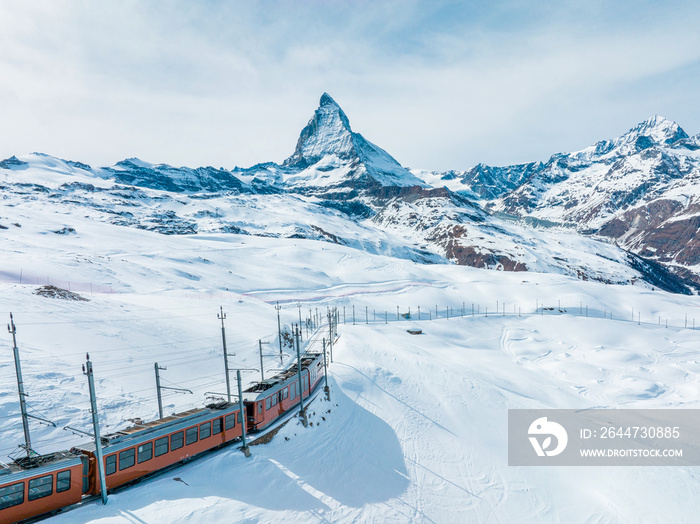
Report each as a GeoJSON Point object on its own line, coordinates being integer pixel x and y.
{"type": "Point", "coordinates": [33, 487]}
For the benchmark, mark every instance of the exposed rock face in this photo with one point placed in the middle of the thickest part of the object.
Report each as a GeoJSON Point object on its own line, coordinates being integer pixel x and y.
{"type": "Point", "coordinates": [469, 255]}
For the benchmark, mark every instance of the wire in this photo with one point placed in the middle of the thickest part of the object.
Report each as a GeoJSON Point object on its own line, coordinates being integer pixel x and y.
{"type": "Point", "coordinates": [129, 360]}
{"type": "Point", "coordinates": [20, 324]}
{"type": "Point", "coordinates": [137, 347]}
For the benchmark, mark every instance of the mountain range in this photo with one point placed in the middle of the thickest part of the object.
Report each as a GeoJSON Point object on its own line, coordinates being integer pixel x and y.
{"type": "Point", "coordinates": [623, 211]}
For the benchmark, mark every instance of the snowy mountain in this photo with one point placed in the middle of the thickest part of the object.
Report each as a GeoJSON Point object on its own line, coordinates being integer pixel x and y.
{"type": "Point", "coordinates": [338, 187]}
{"type": "Point", "coordinates": [482, 181]}
{"type": "Point", "coordinates": [640, 190]}
{"type": "Point", "coordinates": [414, 223]}
{"type": "Point", "coordinates": [327, 143]}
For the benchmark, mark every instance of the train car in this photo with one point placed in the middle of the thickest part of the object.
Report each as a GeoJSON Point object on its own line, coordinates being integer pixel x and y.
{"type": "Point", "coordinates": [40, 484]}
{"type": "Point", "coordinates": [146, 448]}
{"type": "Point", "coordinates": [268, 400]}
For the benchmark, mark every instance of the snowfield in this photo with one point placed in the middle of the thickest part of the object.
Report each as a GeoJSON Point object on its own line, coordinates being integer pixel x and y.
{"type": "Point", "coordinates": [416, 429]}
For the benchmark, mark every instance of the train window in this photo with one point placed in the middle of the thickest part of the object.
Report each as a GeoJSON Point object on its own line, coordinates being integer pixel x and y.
{"type": "Point", "coordinates": [145, 452]}
{"type": "Point", "coordinates": [293, 390]}
{"type": "Point", "coordinates": [41, 487]}
{"type": "Point", "coordinates": [239, 417]}
{"type": "Point", "coordinates": [11, 495]}
{"type": "Point", "coordinates": [177, 440]}
{"type": "Point", "coordinates": [127, 459]}
{"type": "Point", "coordinates": [63, 481]}
{"type": "Point", "coordinates": [191, 435]}
{"type": "Point", "coordinates": [204, 430]}
{"type": "Point", "coordinates": [285, 393]}
{"type": "Point", "coordinates": [268, 403]}
{"type": "Point", "coordinates": [260, 407]}
{"type": "Point", "coordinates": [111, 464]}
{"type": "Point", "coordinates": [230, 421]}
{"type": "Point", "coordinates": [161, 446]}
{"type": "Point", "coordinates": [216, 426]}
{"type": "Point", "coordinates": [274, 400]}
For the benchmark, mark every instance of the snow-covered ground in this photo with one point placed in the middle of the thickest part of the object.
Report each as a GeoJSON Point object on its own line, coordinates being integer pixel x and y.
{"type": "Point", "coordinates": [416, 430]}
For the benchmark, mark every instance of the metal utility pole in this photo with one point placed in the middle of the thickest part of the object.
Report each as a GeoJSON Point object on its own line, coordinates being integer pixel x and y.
{"type": "Point", "coordinates": [245, 449]}
{"type": "Point", "coordinates": [325, 372]}
{"type": "Point", "coordinates": [222, 317]}
{"type": "Point", "coordinates": [279, 329]}
{"type": "Point", "coordinates": [302, 413]}
{"type": "Point", "coordinates": [330, 332]}
{"type": "Point", "coordinates": [160, 400]}
{"type": "Point", "coordinates": [159, 387]}
{"type": "Point", "coordinates": [262, 371]}
{"type": "Point", "coordinates": [299, 306]}
{"type": "Point", "coordinates": [20, 386]}
{"type": "Point", "coordinates": [87, 370]}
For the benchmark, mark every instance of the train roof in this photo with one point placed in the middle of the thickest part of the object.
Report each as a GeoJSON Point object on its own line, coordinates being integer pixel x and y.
{"type": "Point", "coordinates": [23, 468]}
{"type": "Point", "coordinates": [263, 388]}
{"type": "Point", "coordinates": [143, 431]}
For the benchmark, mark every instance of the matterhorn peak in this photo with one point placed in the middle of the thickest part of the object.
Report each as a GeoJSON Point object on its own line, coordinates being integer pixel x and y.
{"type": "Point", "coordinates": [328, 139]}
{"type": "Point", "coordinates": [327, 100]}
{"type": "Point", "coordinates": [327, 133]}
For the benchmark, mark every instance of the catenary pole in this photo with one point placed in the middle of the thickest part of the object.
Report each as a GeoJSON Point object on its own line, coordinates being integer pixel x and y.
{"type": "Point", "coordinates": [87, 370]}
{"type": "Point", "coordinates": [160, 399]}
{"type": "Point", "coordinates": [222, 317]}
{"type": "Point", "coordinates": [302, 412]}
{"type": "Point", "coordinates": [279, 329]}
{"type": "Point", "coordinates": [20, 387]}
{"type": "Point", "coordinates": [262, 372]}
{"type": "Point", "coordinates": [330, 329]}
{"type": "Point", "coordinates": [299, 307]}
{"type": "Point", "coordinates": [325, 372]}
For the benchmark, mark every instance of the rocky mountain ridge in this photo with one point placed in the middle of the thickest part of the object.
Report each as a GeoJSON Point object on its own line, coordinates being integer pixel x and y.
{"type": "Point", "coordinates": [339, 187]}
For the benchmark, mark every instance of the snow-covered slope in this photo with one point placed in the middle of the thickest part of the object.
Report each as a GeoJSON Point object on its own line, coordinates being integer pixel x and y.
{"type": "Point", "coordinates": [416, 427]}
{"type": "Point", "coordinates": [54, 197]}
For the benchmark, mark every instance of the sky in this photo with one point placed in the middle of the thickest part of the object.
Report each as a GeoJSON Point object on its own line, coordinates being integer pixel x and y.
{"type": "Point", "coordinates": [438, 84]}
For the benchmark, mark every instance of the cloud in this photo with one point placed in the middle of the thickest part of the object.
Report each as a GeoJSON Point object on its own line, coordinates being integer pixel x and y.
{"type": "Point", "coordinates": [438, 84]}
